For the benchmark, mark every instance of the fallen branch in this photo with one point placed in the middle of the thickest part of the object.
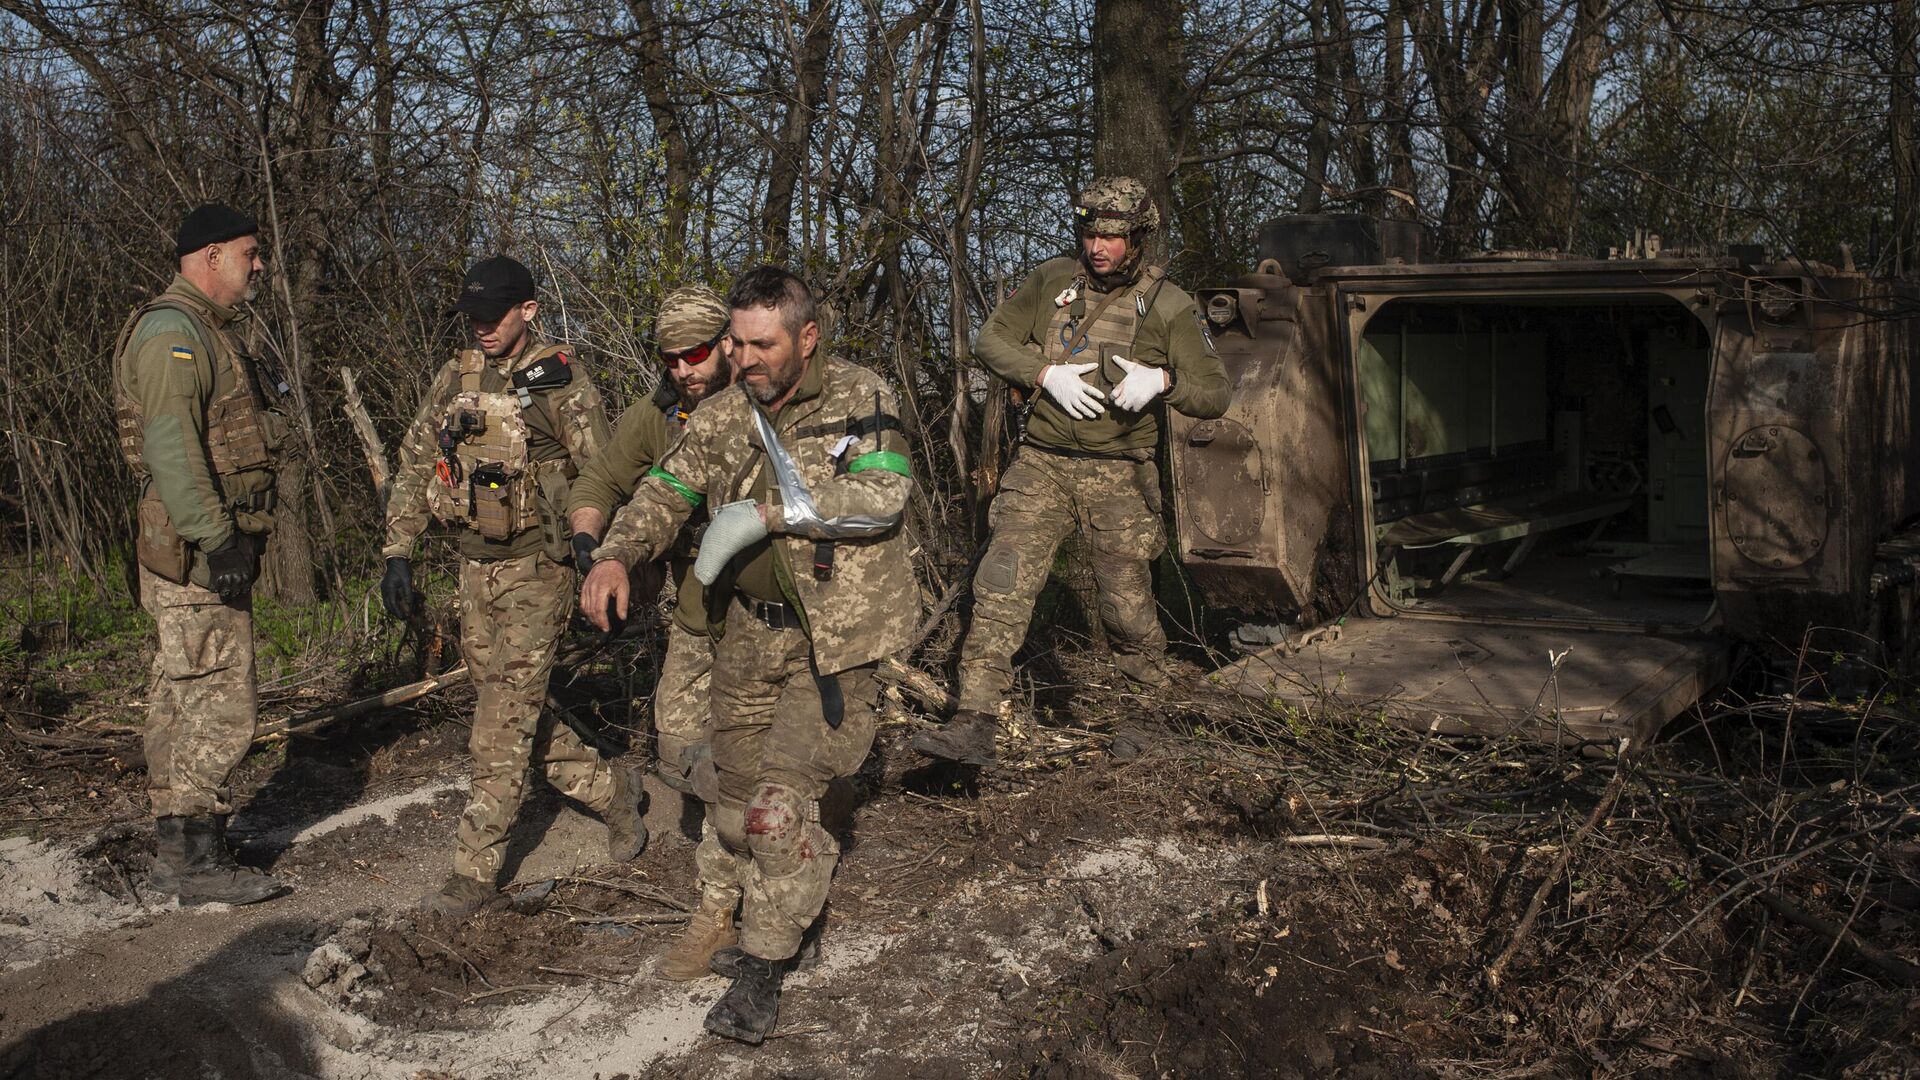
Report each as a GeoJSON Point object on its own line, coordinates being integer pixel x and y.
{"type": "Point", "coordinates": [1335, 840]}
{"type": "Point", "coordinates": [1884, 962]}
{"type": "Point", "coordinates": [1600, 810]}
{"type": "Point", "coordinates": [301, 723]}
{"type": "Point", "coordinates": [356, 411]}
{"type": "Point", "coordinates": [918, 683]}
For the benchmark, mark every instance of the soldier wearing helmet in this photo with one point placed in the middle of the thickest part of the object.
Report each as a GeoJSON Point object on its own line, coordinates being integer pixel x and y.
{"type": "Point", "coordinates": [1103, 345]}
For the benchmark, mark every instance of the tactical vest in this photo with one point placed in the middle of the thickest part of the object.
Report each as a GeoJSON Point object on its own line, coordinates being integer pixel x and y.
{"type": "Point", "coordinates": [243, 436]}
{"type": "Point", "coordinates": [1103, 327]}
{"type": "Point", "coordinates": [486, 479]}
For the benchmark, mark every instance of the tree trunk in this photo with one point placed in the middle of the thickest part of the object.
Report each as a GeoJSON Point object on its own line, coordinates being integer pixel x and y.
{"type": "Point", "coordinates": [656, 78]}
{"type": "Point", "coordinates": [1137, 58]}
{"type": "Point", "coordinates": [1906, 156]}
{"type": "Point", "coordinates": [814, 48]}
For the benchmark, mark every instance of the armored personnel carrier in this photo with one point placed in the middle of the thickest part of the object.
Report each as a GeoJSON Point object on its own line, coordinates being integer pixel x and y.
{"type": "Point", "coordinates": [1534, 489]}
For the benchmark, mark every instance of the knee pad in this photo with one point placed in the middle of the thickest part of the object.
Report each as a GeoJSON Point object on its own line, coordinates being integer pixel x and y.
{"type": "Point", "coordinates": [783, 830]}
{"type": "Point", "coordinates": [999, 572]}
{"type": "Point", "coordinates": [730, 825]}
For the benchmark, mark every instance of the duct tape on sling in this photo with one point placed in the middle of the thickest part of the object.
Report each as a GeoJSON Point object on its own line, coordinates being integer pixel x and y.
{"type": "Point", "coordinates": [800, 516]}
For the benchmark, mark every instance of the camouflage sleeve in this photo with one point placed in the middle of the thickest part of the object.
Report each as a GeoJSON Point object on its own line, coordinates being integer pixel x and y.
{"type": "Point", "coordinates": [1199, 379]}
{"type": "Point", "coordinates": [611, 476]}
{"type": "Point", "coordinates": [1005, 343]}
{"type": "Point", "coordinates": [407, 514]}
{"type": "Point", "coordinates": [879, 475]}
{"type": "Point", "coordinates": [667, 495]}
{"type": "Point", "coordinates": [175, 380]}
{"type": "Point", "coordinates": [580, 419]}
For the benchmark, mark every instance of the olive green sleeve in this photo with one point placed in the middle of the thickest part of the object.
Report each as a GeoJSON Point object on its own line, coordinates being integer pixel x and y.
{"type": "Point", "coordinates": [611, 476]}
{"type": "Point", "coordinates": [1199, 379]}
{"type": "Point", "coordinates": [174, 377]}
{"type": "Point", "coordinates": [1007, 344]}
{"type": "Point", "coordinates": [407, 513]}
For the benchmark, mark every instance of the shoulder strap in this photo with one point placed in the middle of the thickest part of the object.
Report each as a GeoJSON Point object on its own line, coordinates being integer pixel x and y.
{"type": "Point", "coordinates": [1144, 297]}
{"type": "Point", "coordinates": [1086, 324]}
{"type": "Point", "coordinates": [473, 363]}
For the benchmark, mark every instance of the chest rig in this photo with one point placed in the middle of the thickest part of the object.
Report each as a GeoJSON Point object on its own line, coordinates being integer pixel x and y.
{"type": "Point", "coordinates": [243, 434]}
{"type": "Point", "coordinates": [1081, 333]}
{"type": "Point", "coordinates": [486, 478]}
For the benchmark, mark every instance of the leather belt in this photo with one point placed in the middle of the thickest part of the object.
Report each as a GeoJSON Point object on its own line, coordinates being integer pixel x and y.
{"type": "Point", "coordinates": [776, 615]}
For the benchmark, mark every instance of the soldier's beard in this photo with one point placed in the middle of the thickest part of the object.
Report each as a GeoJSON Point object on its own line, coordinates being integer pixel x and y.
{"type": "Point", "coordinates": [778, 385]}
{"type": "Point", "coordinates": [1123, 273]}
{"type": "Point", "coordinates": [693, 392]}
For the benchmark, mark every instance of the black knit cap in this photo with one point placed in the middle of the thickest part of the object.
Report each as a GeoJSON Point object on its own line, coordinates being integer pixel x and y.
{"type": "Point", "coordinates": [214, 223]}
{"type": "Point", "coordinates": [492, 286]}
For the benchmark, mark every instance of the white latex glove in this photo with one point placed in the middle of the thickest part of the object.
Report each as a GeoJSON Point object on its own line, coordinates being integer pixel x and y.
{"type": "Point", "coordinates": [735, 528]}
{"type": "Point", "coordinates": [1140, 385]}
{"type": "Point", "coordinates": [1063, 383]}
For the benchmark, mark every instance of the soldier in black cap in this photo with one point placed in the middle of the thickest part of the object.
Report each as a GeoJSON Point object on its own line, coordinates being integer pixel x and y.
{"type": "Point", "coordinates": [501, 434]}
{"type": "Point", "coordinates": [203, 443]}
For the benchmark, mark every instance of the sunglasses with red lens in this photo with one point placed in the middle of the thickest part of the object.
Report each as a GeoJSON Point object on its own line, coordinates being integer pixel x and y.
{"type": "Point", "coordinates": [693, 355]}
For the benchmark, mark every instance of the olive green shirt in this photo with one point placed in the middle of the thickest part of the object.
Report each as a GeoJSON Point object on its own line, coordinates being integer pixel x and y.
{"type": "Point", "coordinates": [173, 370]}
{"type": "Point", "coordinates": [1010, 344]}
{"type": "Point", "coordinates": [641, 438]}
{"type": "Point", "coordinates": [568, 422]}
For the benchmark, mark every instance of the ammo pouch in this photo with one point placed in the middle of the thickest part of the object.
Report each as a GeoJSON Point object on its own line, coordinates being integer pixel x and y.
{"type": "Point", "coordinates": [159, 547]}
{"type": "Point", "coordinates": [490, 501]}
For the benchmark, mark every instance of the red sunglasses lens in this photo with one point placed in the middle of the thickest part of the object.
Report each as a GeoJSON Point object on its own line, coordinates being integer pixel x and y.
{"type": "Point", "coordinates": [693, 357]}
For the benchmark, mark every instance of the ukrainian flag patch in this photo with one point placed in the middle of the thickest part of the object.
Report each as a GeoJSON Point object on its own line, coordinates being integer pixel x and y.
{"type": "Point", "coordinates": [181, 352]}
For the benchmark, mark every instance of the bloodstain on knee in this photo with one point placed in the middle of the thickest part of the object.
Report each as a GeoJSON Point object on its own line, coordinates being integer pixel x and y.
{"type": "Point", "coordinates": [767, 818]}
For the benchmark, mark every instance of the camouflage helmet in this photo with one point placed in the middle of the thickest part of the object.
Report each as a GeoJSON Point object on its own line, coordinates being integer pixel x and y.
{"type": "Point", "coordinates": [1115, 206]}
{"type": "Point", "coordinates": [690, 315]}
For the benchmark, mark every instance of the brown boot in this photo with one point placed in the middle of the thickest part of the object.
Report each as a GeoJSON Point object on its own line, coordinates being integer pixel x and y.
{"type": "Point", "coordinates": [968, 738]}
{"type": "Point", "coordinates": [709, 931]}
{"type": "Point", "coordinates": [462, 896]}
{"type": "Point", "coordinates": [626, 816]}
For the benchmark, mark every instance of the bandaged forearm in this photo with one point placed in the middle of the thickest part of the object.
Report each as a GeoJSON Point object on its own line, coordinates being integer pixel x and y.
{"type": "Point", "coordinates": [800, 516]}
{"type": "Point", "coordinates": [735, 528]}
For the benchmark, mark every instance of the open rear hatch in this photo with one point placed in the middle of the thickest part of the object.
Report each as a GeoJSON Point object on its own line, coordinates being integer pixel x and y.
{"type": "Point", "coordinates": [1463, 678]}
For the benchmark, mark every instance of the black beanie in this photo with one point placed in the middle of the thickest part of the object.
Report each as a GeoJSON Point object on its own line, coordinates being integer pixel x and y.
{"type": "Point", "coordinates": [214, 223]}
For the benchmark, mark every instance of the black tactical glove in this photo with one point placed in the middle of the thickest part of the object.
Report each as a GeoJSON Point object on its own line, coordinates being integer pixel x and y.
{"type": "Point", "coordinates": [583, 545]}
{"type": "Point", "coordinates": [231, 567]}
{"type": "Point", "coordinates": [396, 588]}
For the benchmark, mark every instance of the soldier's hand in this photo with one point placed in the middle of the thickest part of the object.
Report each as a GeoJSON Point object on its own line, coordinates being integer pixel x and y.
{"type": "Point", "coordinates": [604, 595]}
{"type": "Point", "coordinates": [583, 545]}
{"type": "Point", "coordinates": [1141, 384]}
{"type": "Point", "coordinates": [1064, 384]}
{"type": "Point", "coordinates": [231, 567]}
{"type": "Point", "coordinates": [396, 588]}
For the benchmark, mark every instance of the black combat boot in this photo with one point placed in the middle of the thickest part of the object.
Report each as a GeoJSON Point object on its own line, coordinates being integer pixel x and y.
{"type": "Point", "coordinates": [751, 1006]}
{"type": "Point", "coordinates": [169, 854]}
{"type": "Point", "coordinates": [968, 738]}
{"type": "Point", "coordinates": [626, 816]}
{"type": "Point", "coordinates": [205, 871]}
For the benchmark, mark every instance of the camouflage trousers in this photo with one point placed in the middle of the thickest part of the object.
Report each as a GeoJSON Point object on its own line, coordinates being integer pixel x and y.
{"type": "Point", "coordinates": [512, 612]}
{"type": "Point", "coordinates": [682, 700]}
{"type": "Point", "coordinates": [777, 750]}
{"type": "Point", "coordinates": [200, 722]}
{"type": "Point", "coordinates": [1115, 502]}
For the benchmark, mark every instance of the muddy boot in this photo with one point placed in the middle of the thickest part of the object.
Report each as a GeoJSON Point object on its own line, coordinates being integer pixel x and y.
{"type": "Point", "coordinates": [968, 738]}
{"type": "Point", "coordinates": [726, 962]}
{"type": "Point", "coordinates": [1149, 671]}
{"type": "Point", "coordinates": [707, 934]}
{"type": "Point", "coordinates": [751, 1006]}
{"type": "Point", "coordinates": [206, 872]}
{"type": "Point", "coordinates": [169, 854]}
{"type": "Point", "coordinates": [625, 816]}
{"type": "Point", "coordinates": [461, 896]}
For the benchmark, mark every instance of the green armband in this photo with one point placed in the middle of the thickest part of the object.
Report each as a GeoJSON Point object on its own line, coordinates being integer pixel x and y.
{"type": "Point", "coordinates": [693, 497]}
{"type": "Point", "coordinates": [881, 459]}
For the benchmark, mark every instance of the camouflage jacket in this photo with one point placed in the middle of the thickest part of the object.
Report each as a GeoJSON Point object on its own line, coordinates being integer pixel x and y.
{"type": "Point", "coordinates": [1024, 335]}
{"type": "Point", "coordinates": [867, 608]}
{"type": "Point", "coordinates": [566, 425]}
{"type": "Point", "coordinates": [640, 440]}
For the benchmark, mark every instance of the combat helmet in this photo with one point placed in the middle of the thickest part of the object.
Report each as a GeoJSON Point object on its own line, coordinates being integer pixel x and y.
{"type": "Point", "coordinates": [1115, 206]}
{"type": "Point", "coordinates": [689, 316]}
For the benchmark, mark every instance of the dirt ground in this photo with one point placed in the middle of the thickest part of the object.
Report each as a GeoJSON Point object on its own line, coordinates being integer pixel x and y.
{"type": "Point", "coordinates": [1252, 899]}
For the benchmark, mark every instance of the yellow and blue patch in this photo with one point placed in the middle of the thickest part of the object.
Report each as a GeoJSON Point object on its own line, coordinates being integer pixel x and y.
{"type": "Point", "coordinates": [181, 352]}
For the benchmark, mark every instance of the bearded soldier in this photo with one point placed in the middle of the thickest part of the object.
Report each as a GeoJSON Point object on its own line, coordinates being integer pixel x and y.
{"type": "Point", "coordinates": [1104, 345]}
{"type": "Point", "coordinates": [808, 586]}
{"type": "Point", "coordinates": [502, 432]}
{"type": "Point", "coordinates": [689, 338]}
{"type": "Point", "coordinates": [202, 442]}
